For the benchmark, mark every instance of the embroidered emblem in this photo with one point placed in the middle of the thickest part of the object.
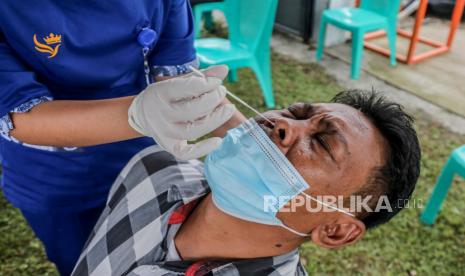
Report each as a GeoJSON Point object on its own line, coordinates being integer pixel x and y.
{"type": "Point", "coordinates": [52, 39]}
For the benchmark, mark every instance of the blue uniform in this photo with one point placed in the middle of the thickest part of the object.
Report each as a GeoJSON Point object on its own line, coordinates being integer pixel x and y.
{"type": "Point", "coordinates": [78, 50]}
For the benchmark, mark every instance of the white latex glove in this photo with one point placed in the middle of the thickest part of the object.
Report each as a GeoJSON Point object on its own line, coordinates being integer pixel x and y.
{"type": "Point", "coordinates": [183, 109]}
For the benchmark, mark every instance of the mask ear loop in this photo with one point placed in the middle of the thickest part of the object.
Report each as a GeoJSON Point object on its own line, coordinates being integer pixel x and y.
{"type": "Point", "coordinates": [328, 205]}
{"type": "Point", "coordinates": [322, 203]}
{"type": "Point", "coordinates": [294, 231]}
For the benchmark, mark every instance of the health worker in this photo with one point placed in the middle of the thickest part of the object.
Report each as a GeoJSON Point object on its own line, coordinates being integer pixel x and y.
{"type": "Point", "coordinates": [76, 101]}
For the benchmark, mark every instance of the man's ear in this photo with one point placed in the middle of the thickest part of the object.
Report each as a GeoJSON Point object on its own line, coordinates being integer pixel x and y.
{"type": "Point", "coordinates": [338, 234]}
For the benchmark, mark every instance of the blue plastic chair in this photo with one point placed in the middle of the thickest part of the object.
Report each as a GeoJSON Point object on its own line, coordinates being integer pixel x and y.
{"type": "Point", "coordinates": [372, 15]}
{"type": "Point", "coordinates": [250, 28]}
{"type": "Point", "coordinates": [455, 165]}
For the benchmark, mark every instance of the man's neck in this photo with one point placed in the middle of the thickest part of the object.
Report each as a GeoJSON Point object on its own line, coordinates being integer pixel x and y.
{"type": "Point", "coordinates": [209, 233]}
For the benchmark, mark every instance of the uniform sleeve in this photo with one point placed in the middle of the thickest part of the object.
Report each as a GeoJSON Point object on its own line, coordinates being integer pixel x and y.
{"type": "Point", "coordinates": [19, 89]}
{"type": "Point", "coordinates": [175, 51]}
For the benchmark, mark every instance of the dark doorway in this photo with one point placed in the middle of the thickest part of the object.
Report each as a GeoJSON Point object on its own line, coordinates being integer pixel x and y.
{"type": "Point", "coordinates": [296, 17]}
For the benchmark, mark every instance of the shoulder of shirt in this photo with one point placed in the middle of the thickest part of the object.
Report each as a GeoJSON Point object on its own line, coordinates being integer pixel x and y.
{"type": "Point", "coordinates": [183, 180]}
{"type": "Point", "coordinates": [154, 156]}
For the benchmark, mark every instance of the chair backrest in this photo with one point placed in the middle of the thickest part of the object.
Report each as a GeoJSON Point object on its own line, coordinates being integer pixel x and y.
{"type": "Point", "coordinates": [388, 8]}
{"type": "Point", "coordinates": [250, 22]}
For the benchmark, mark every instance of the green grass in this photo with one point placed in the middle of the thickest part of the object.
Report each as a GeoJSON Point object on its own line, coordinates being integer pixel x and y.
{"type": "Point", "coordinates": [20, 252]}
{"type": "Point", "coordinates": [404, 246]}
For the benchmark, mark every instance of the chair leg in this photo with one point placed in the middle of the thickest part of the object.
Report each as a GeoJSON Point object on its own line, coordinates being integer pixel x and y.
{"type": "Point", "coordinates": [321, 39]}
{"type": "Point", "coordinates": [197, 21]}
{"type": "Point", "coordinates": [439, 193]}
{"type": "Point", "coordinates": [392, 37]}
{"type": "Point", "coordinates": [357, 51]}
{"type": "Point", "coordinates": [232, 76]}
{"type": "Point", "coordinates": [262, 69]}
{"type": "Point", "coordinates": [208, 20]}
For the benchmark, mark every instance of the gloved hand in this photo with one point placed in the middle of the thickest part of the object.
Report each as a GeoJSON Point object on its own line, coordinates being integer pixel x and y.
{"type": "Point", "coordinates": [183, 109]}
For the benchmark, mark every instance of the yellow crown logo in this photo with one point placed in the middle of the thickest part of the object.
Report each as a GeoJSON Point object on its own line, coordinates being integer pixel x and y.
{"type": "Point", "coordinates": [49, 40]}
{"type": "Point", "coordinates": [52, 39]}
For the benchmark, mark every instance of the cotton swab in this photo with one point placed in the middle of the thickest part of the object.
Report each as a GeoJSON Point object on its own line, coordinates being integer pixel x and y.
{"type": "Point", "coordinates": [241, 101]}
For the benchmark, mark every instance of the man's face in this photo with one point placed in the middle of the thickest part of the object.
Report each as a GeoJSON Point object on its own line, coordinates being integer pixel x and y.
{"type": "Point", "coordinates": [333, 146]}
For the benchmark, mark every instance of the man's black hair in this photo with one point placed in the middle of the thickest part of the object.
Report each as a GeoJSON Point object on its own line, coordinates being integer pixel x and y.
{"type": "Point", "coordinates": [397, 178]}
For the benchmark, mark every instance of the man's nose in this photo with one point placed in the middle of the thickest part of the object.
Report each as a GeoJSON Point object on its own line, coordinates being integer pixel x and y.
{"type": "Point", "coordinates": [285, 132]}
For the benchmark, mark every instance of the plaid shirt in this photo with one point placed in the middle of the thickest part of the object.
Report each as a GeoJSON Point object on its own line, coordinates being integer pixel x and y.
{"type": "Point", "coordinates": [146, 206]}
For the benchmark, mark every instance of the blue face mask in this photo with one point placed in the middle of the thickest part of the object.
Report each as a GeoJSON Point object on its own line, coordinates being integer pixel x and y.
{"type": "Point", "coordinates": [251, 179]}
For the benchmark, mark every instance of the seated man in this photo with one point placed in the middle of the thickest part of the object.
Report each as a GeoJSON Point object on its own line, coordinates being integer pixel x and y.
{"type": "Point", "coordinates": [162, 217]}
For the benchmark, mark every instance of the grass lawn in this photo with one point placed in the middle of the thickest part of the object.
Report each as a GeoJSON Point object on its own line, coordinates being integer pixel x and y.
{"type": "Point", "coordinates": [404, 246]}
